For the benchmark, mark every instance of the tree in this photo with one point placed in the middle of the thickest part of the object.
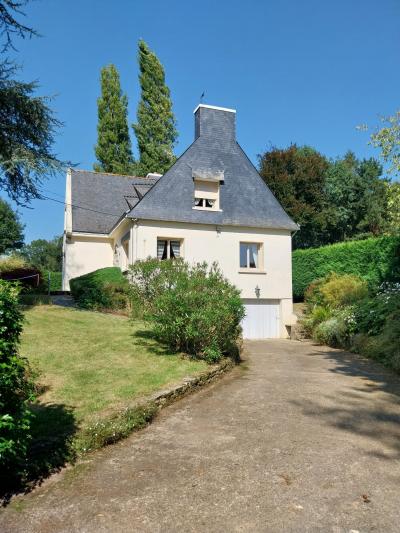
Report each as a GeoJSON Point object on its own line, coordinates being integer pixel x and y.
{"type": "Point", "coordinates": [27, 129]}
{"type": "Point", "coordinates": [11, 229]}
{"type": "Point", "coordinates": [27, 124]}
{"type": "Point", "coordinates": [9, 25]}
{"type": "Point", "coordinates": [43, 254]}
{"type": "Point", "coordinates": [358, 197]}
{"type": "Point", "coordinates": [156, 126]}
{"type": "Point", "coordinates": [296, 176]}
{"type": "Point", "coordinates": [113, 149]}
{"type": "Point", "coordinates": [387, 139]}
{"type": "Point", "coordinates": [393, 200]}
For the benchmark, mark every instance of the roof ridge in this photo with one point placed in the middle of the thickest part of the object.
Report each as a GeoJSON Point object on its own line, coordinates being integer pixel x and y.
{"type": "Point", "coordinates": [110, 174]}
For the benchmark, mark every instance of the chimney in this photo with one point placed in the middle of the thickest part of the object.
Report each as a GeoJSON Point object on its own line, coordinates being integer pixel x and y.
{"type": "Point", "coordinates": [218, 123]}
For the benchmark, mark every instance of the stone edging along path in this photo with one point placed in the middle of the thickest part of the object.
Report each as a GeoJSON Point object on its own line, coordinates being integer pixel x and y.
{"type": "Point", "coordinates": [190, 385]}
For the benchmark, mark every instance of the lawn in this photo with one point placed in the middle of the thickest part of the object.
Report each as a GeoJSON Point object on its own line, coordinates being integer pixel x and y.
{"type": "Point", "coordinates": [92, 368]}
{"type": "Point", "coordinates": [94, 362]}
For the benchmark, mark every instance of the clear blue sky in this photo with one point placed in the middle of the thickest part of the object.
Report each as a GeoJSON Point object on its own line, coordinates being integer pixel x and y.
{"type": "Point", "coordinates": [304, 71]}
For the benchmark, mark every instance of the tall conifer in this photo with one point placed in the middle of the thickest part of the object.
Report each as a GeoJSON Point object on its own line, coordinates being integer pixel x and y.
{"type": "Point", "coordinates": [155, 128]}
{"type": "Point", "coordinates": [113, 149]}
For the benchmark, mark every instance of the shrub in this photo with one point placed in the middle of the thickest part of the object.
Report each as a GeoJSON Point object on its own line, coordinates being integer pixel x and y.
{"type": "Point", "coordinates": [193, 309]}
{"type": "Point", "coordinates": [375, 260]}
{"type": "Point", "coordinates": [16, 389]}
{"type": "Point", "coordinates": [342, 290]}
{"type": "Point", "coordinates": [105, 288]}
{"type": "Point", "coordinates": [16, 268]}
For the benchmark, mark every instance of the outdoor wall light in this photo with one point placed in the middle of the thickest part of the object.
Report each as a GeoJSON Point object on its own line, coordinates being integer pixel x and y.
{"type": "Point", "coordinates": [257, 291]}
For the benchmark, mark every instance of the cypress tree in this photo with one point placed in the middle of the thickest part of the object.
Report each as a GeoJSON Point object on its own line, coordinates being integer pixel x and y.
{"type": "Point", "coordinates": [155, 128]}
{"type": "Point", "coordinates": [113, 149]}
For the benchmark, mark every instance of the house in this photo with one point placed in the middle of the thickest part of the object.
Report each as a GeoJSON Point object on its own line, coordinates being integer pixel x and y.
{"type": "Point", "coordinates": [211, 205]}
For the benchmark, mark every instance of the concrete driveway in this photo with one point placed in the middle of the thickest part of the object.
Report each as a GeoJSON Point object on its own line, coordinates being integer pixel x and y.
{"type": "Point", "coordinates": [300, 438]}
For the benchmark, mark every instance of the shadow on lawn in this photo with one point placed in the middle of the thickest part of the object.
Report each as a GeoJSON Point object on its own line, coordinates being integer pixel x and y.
{"type": "Point", "coordinates": [368, 406]}
{"type": "Point", "coordinates": [52, 428]}
{"type": "Point", "coordinates": [147, 339]}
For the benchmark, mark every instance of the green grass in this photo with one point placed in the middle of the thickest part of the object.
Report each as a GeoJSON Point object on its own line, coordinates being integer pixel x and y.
{"type": "Point", "coordinates": [94, 363]}
{"type": "Point", "coordinates": [93, 372]}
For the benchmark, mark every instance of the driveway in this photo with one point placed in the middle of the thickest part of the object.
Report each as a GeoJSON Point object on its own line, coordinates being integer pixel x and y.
{"type": "Point", "coordinates": [299, 438]}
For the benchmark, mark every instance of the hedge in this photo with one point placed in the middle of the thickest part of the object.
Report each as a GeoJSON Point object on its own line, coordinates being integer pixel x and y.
{"type": "Point", "coordinates": [375, 260]}
{"type": "Point", "coordinates": [105, 288]}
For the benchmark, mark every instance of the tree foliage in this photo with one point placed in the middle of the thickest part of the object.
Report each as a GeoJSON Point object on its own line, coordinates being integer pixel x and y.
{"type": "Point", "coordinates": [387, 139]}
{"type": "Point", "coordinates": [10, 25]}
{"type": "Point", "coordinates": [11, 228]}
{"type": "Point", "coordinates": [44, 254]}
{"type": "Point", "coordinates": [113, 149]}
{"type": "Point", "coordinates": [27, 124]}
{"type": "Point", "coordinates": [393, 202]}
{"type": "Point", "coordinates": [155, 128]}
{"type": "Point", "coordinates": [296, 176]}
{"type": "Point", "coordinates": [332, 200]}
{"type": "Point", "coordinates": [358, 195]}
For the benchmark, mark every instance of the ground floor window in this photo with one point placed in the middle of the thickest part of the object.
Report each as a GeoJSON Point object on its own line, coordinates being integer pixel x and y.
{"type": "Point", "coordinates": [168, 249]}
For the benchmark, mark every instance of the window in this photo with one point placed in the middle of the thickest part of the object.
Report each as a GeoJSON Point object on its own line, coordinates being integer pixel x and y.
{"type": "Point", "coordinates": [168, 249]}
{"type": "Point", "coordinates": [249, 255]}
{"type": "Point", "coordinates": [204, 202]}
{"type": "Point", "coordinates": [206, 195]}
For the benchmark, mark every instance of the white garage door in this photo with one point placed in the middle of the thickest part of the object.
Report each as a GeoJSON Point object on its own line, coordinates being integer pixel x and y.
{"type": "Point", "coordinates": [261, 320]}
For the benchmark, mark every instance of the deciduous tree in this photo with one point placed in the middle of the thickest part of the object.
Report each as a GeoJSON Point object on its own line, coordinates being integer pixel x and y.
{"type": "Point", "coordinates": [11, 228]}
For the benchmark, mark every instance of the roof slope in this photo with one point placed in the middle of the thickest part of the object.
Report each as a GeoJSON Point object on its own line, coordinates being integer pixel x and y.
{"type": "Point", "coordinates": [99, 199]}
{"type": "Point", "coordinates": [245, 199]}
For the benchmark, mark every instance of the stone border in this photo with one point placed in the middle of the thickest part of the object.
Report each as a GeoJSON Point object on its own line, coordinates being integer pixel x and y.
{"type": "Point", "coordinates": [190, 385]}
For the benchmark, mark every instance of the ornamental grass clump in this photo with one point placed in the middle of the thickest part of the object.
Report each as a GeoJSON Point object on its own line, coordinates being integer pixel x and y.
{"type": "Point", "coordinates": [16, 388]}
{"type": "Point", "coordinates": [192, 309]}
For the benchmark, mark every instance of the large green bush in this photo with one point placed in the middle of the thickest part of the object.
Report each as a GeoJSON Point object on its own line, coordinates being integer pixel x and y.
{"type": "Point", "coordinates": [193, 309]}
{"type": "Point", "coordinates": [375, 260]}
{"type": "Point", "coordinates": [105, 288]}
{"type": "Point", "coordinates": [16, 389]}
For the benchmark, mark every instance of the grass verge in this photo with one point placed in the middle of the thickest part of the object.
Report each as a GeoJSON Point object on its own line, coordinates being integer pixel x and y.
{"type": "Point", "coordinates": [94, 372]}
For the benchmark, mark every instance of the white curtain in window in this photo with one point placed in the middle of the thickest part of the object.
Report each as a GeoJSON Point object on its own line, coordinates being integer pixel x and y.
{"type": "Point", "coordinates": [175, 249]}
{"type": "Point", "coordinates": [253, 255]}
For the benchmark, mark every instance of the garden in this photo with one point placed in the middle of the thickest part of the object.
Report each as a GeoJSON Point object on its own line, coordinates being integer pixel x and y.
{"type": "Point", "coordinates": [76, 379]}
{"type": "Point", "coordinates": [351, 293]}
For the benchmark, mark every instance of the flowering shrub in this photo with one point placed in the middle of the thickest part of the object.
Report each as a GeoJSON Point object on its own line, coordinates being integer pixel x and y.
{"type": "Point", "coordinates": [370, 325]}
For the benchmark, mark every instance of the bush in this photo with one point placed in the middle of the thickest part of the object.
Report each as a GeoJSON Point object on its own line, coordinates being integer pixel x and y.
{"type": "Point", "coordinates": [337, 291]}
{"type": "Point", "coordinates": [16, 268]}
{"type": "Point", "coordinates": [192, 309]}
{"type": "Point", "coordinates": [16, 389]}
{"type": "Point", "coordinates": [103, 289]}
{"type": "Point", "coordinates": [375, 260]}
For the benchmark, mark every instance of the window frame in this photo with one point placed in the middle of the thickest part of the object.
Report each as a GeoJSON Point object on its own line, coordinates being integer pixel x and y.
{"type": "Point", "coordinates": [199, 194]}
{"type": "Point", "coordinates": [169, 240]}
{"type": "Point", "coordinates": [260, 256]}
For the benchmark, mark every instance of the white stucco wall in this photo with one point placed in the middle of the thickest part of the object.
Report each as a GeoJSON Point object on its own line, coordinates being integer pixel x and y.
{"type": "Point", "coordinates": [209, 243]}
{"type": "Point", "coordinates": [83, 254]}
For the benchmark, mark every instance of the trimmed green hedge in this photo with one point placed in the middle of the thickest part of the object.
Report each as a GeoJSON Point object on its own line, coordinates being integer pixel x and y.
{"type": "Point", "coordinates": [105, 288]}
{"type": "Point", "coordinates": [374, 260]}
{"type": "Point", "coordinates": [55, 281]}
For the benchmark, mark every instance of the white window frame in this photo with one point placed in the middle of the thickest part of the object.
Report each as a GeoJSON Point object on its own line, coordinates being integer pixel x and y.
{"type": "Point", "coordinates": [260, 256]}
{"type": "Point", "coordinates": [169, 240]}
{"type": "Point", "coordinates": [200, 194]}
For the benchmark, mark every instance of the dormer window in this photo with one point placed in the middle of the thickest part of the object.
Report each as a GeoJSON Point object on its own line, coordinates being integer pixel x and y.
{"type": "Point", "coordinates": [206, 194]}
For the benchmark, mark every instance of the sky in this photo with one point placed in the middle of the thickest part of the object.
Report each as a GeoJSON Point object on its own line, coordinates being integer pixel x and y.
{"type": "Point", "coordinates": [296, 71]}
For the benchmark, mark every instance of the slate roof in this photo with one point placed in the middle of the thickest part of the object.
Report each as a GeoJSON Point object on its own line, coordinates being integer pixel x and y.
{"type": "Point", "coordinates": [103, 198]}
{"type": "Point", "coordinates": [245, 199]}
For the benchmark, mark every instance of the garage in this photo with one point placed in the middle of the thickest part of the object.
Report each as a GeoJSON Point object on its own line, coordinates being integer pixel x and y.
{"type": "Point", "coordinates": [262, 320]}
